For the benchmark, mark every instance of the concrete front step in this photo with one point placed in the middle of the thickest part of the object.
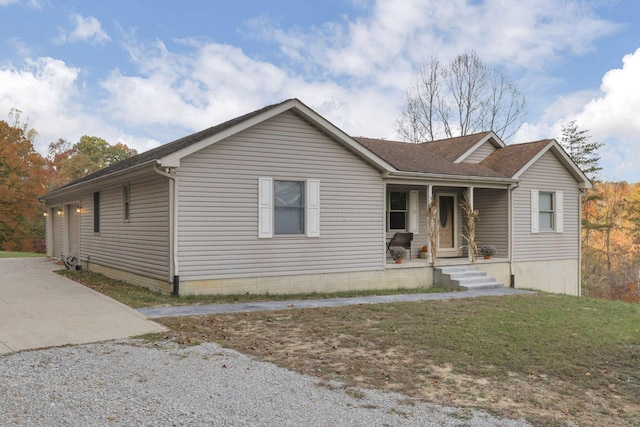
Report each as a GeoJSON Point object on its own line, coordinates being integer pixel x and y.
{"type": "Point", "coordinates": [464, 277]}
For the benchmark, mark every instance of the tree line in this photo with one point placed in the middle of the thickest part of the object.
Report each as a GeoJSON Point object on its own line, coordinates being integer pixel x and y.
{"type": "Point", "coordinates": [25, 174]}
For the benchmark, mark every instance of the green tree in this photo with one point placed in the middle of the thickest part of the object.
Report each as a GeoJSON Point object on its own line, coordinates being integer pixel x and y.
{"type": "Point", "coordinates": [86, 156]}
{"type": "Point", "coordinates": [23, 177]}
{"type": "Point", "coordinates": [460, 98]}
{"type": "Point", "coordinates": [584, 152]}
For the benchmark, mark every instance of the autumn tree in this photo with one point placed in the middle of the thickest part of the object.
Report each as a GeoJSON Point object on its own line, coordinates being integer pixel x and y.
{"type": "Point", "coordinates": [89, 154]}
{"type": "Point", "coordinates": [58, 153]}
{"type": "Point", "coordinates": [611, 256]}
{"type": "Point", "coordinates": [462, 97]}
{"type": "Point", "coordinates": [23, 178]}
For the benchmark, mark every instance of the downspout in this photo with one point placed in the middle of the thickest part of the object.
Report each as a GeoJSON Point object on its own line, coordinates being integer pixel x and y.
{"type": "Point", "coordinates": [174, 271]}
{"type": "Point", "coordinates": [580, 195]}
{"type": "Point", "coordinates": [512, 187]}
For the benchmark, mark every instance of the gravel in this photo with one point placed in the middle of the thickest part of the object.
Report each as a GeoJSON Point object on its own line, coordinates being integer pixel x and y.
{"type": "Point", "coordinates": [136, 383]}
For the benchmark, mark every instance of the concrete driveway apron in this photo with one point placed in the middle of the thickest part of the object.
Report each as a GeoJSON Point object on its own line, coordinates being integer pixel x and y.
{"type": "Point", "coordinates": [39, 308]}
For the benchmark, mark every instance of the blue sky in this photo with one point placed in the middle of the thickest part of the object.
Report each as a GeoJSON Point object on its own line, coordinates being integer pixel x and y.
{"type": "Point", "coordinates": [146, 72]}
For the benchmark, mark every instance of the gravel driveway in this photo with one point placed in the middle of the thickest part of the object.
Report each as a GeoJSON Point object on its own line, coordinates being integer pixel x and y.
{"type": "Point", "coordinates": [135, 383]}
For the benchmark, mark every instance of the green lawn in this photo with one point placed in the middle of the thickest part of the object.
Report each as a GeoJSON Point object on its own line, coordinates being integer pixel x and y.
{"type": "Point", "coordinates": [138, 297]}
{"type": "Point", "coordinates": [553, 359]}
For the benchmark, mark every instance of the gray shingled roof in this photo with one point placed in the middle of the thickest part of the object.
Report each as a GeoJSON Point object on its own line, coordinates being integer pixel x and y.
{"type": "Point", "coordinates": [435, 157]}
{"type": "Point", "coordinates": [510, 159]}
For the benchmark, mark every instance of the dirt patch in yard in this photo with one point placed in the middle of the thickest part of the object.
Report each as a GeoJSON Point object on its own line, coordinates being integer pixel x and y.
{"type": "Point", "coordinates": [431, 352]}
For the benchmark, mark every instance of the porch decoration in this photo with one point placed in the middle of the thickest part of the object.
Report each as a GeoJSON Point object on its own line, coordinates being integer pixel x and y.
{"type": "Point", "coordinates": [470, 227]}
{"type": "Point", "coordinates": [432, 214]}
{"type": "Point", "coordinates": [397, 254]}
{"type": "Point", "coordinates": [488, 251]}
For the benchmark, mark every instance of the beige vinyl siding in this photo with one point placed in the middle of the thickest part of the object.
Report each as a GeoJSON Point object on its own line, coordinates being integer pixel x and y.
{"type": "Point", "coordinates": [492, 227]}
{"type": "Point", "coordinates": [218, 196]}
{"type": "Point", "coordinates": [480, 153]}
{"type": "Point", "coordinates": [140, 245]}
{"type": "Point", "coordinates": [546, 175]}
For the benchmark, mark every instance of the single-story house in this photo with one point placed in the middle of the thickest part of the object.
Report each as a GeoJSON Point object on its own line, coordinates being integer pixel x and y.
{"type": "Point", "coordinates": [281, 201]}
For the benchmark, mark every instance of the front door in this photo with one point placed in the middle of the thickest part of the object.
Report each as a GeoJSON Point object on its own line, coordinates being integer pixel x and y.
{"type": "Point", "coordinates": [447, 242]}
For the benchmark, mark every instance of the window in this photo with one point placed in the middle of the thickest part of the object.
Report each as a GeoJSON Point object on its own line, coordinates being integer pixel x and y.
{"type": "Point", "coordinates": [288, 206]}
{"type": "Point", "coordinates": [397, 210]}
{"type": "Point", "coordinates": [125, 202]}
{"type": "Point", "coordinates": [545, 211]}
{"type": "Point", "coordinates": [96, 212]}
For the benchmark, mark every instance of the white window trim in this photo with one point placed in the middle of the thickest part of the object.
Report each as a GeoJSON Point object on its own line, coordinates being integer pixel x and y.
{"type": "Point", "coordinates": [312, 208]}
{"type": "Point", "coordinates": [266, 208]}
{"type": "Point", "coordinates": [558, 211]}
{"type": "Point", "coordinates": [414, 211]}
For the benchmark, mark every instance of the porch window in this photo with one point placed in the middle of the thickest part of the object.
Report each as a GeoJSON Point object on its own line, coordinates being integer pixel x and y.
{"type": "Point", "coordinates": [397, 210]}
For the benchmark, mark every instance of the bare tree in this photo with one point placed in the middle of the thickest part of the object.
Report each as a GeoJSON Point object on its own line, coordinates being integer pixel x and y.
{"type": "Point", "coordinates": [461, 98]}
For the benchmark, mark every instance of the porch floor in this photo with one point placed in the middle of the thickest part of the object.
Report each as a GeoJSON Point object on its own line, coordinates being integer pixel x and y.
{"type": "Point", "coordinates": [421, 262]}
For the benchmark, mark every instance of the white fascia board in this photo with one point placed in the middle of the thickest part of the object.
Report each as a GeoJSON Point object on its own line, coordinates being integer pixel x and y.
{"type": "Point", "coordinates": [173, 159]}
{"type": "Point", "coordinates": [80, 185]}
{"type": "Point", "coordinates": [345, 139]}
{"type": "Point", "coordinates": [490, 135]}
{"type": "Point", "coordinates": [565, 160]}
{"type": "Point", "coordinates": [462, 180]}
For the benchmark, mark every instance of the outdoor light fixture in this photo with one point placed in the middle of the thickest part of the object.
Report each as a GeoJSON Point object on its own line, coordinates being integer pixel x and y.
{"type": "Point", "coordinates": [59, 211]}
{"type": "Point", "coordinates": [79, 208]}
{"type": "Point", "coordinates": [45, 214]}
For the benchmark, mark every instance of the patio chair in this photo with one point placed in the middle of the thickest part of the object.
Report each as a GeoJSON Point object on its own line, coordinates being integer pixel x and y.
{"type": "Point", "coordinates": [402, 240]}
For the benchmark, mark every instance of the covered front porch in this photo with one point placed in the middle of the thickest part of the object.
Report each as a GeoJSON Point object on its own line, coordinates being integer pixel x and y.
{"type": "Point", "coordinates": [436, 216]}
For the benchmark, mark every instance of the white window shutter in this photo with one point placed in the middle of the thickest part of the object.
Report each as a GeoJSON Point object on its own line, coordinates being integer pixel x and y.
{"type": "Point", "coordinates": [414, 210]}
{"type": "Point", "coordinates": [265, 208]}
{"type": "Point", "coordinates": [535, 215]}
{"type": "Point", "coordinates": [559, 207]}
{"type": "Point", "coordinates": [313, 208]}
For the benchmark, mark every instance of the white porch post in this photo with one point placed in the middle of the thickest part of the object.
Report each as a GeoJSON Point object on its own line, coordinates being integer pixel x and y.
{"type": "Point", "coordinates": [469, 254]}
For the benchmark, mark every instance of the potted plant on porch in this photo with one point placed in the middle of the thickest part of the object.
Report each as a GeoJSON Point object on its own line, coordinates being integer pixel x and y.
{"type": "Point", "coordinates": [487, 251]}
{"type": "Point", "coordinates": [397, 254]}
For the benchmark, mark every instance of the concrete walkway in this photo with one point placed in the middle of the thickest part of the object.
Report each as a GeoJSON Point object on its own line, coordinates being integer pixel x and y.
{"type": "Point", "coordinates": [39, 308]}
{"type": "Point", "coordinates": [197, 310]}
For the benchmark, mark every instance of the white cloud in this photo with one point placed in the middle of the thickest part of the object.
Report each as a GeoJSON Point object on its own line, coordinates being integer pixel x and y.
{"type": "Point", "coordinates": [87, 29]}
{"type": "Point", "coordinates": [47, 92]}
{"type": "Point", "coordinates": [216, 82]}
{"type": "Point", "coordinates": [393, 36]}
{"type": "Point", "coordinates": [43, 89]}
{"type": "Point", "coordinates": [34, 4]}
{"type": "Point", "coordinates": [611, 115]}
{"type": "Point", "coordinates": [614, 117]}
{"type": "Point", "coordinates": [352, 71]}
